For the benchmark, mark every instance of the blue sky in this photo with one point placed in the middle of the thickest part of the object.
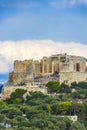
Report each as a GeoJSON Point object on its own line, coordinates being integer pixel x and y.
{"type": "Point", "coordinates": [59, 21]}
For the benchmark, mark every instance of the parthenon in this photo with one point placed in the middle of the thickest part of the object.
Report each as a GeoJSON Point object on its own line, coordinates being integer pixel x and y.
{"type": "Point", "coordinates": [66, 68]}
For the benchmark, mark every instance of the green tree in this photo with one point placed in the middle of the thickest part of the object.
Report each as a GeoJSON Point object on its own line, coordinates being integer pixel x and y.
{"type": "Point", "coordinates": [65, 88]}
{"type": "Point", "coordinates": [77, 126]}
{"type": "Point", "coordinates": [11, 112]}
{"type": "Point", "coordinates": [74, 85]}
{"type": "Point", "coordinates": [64, 107]}
{"type": "Point", "coordinates": [53, 86]}
{"type": "Point", "coordinates": [16, 97]}
{"type": "Point", "coordinates": [82, 85]}
{"type": "Point", "coordinates": [17, 101]}
{"type": "Point", "coordinates": [18, 93]}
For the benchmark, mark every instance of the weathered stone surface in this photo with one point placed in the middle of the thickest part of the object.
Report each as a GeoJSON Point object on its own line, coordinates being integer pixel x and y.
{"type": "Point", "coordinates": [72, 66]}
{"type": "Point", "coordinates": [6, 92]}
{"type": "Point", "coordinates": [69, 77]}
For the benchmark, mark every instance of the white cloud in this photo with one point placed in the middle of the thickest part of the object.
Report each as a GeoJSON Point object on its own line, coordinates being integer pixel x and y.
{"type": "Point", "coordinates": [4, 65]}
{"type": "Point", "coordinates": [36, 49]}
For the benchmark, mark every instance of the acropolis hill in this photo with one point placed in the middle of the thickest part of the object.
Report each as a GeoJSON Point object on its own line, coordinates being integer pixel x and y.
{"type": "Point", "coordinates": [33, 75]}
{"type": "Point", "coordinates": [60, 67]}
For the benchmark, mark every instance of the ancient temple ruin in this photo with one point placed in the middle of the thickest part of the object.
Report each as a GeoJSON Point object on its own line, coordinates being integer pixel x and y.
{"type": "Point", "coordinates": [60, 67]}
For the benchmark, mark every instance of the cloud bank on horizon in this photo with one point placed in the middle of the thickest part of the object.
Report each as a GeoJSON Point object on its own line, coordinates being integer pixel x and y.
{"type": "Point", "coordinates": [35, 49]}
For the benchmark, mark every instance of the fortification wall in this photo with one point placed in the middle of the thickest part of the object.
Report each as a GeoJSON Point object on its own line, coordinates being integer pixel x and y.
{"type": "Point", "coordinates": [6, 92]}
{"type": "Point", "coordinates": [69, 77]}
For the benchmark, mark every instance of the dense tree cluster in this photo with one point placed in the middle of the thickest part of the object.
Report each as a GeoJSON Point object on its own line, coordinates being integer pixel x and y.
{"type": "Point", "coordinates": [54, 86]}
{"type": "Point", "coordinates": [80, 89]}
{"type": "Point", "coordinates": [42, 112]}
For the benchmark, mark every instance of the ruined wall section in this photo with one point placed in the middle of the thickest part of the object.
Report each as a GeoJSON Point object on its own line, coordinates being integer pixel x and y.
{"type": "Point", "coordinates": [46, 66]}
{"type": "Point", "coordinates": [17, 78]}
{"type": "Point", "coordinates": [69, 77]}
{"type": "Point", "coordinates": [82, 65]}
{"type": "Point", "coordinates": [79, 64]}
{"type": "Point", "coordinates": [37, 68]}
{"type": "Point", "coordinates": [19, 67]}
{"type": "Point", "coordinates": [23, 69]}
{"type": "Point", "coordinates": [72, 64]}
